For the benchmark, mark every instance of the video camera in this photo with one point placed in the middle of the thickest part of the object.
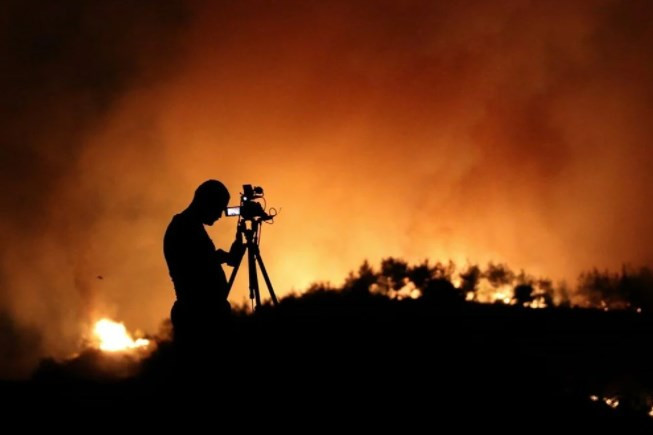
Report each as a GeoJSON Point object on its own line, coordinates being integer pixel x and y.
{"type": "Point", "coordinates": [249, 208]}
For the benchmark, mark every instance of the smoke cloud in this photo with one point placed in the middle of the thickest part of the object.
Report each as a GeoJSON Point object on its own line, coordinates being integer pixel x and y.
{"type": "Point", "coordinates": [67, 68]}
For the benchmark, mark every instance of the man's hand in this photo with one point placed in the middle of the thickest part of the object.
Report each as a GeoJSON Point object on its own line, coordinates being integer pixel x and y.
{"type": "Point", "coordinates": [223, 256]}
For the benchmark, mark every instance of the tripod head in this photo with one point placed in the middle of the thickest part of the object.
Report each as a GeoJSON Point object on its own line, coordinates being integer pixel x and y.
{"type": "Point", "coordinates": [249, 208]}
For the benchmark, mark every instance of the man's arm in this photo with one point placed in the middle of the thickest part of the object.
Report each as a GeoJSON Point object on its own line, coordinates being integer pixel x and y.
{"type": "Point", "coordinates": [233, 256]}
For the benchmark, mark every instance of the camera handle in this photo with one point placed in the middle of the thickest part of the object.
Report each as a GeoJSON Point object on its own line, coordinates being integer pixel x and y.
{"type": "Point", "coordinates": [253, 258]}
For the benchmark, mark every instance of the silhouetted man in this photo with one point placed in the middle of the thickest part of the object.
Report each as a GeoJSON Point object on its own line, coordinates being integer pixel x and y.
{"type": "Point", "coordinates": [195, 265]}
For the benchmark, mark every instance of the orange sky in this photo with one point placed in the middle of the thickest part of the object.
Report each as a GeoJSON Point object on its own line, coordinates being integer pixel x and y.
{"type": "Point", "coordinates": [508, 131]}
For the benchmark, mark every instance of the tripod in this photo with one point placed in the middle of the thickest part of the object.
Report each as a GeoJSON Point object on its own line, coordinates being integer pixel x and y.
{"type": "Point", "coordinates": [253, 257]}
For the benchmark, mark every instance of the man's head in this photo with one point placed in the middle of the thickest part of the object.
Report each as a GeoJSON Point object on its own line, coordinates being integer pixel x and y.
{"type": "Point", "coordinates": [210, 201]}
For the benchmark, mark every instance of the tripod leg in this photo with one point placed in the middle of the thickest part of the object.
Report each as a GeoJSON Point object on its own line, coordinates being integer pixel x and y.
{"type": "Point", "coordinates": [266, 277]}
{"type": "Point", "coordinates": [253, 277]}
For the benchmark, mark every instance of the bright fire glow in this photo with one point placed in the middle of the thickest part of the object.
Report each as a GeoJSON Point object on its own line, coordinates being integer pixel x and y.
{"type": "Point", "coordinates": [113, 337]}
{"type": "Point", "coordinates": [536, 303]}
{"type": "Point", "coordinates": [506, 298]}
{"type": "Point", "coordinates": [407, 291]}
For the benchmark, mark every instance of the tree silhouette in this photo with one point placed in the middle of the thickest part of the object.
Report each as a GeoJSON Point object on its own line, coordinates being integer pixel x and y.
{"type": "Point", "coordinates": [359, 284]}
{"type": "Point", "coordinates": [470, 279]}
{"type": "Point", "coordinates": [421, 274]}
{"type": "Point", "coordinates": [600, 289]}
{"type": "Point", "coordinates": [523, 294]}
{"type": "Point", "coordinates": [636, 286]}
{"type": "Point", "coordinates": [498, 275]}
{"type": "Point", "coordinates": [394, 273]}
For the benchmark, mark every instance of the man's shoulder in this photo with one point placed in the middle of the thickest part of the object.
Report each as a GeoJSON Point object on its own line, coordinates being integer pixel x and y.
{"type": "Point", "coordinates": [177, 219]}
{"type": "Point", "coordinates": [183, 225]}
{"type": "Point", "coordinates": [178, 223]}
{"type": "Point", "coordinates": [174, 221]}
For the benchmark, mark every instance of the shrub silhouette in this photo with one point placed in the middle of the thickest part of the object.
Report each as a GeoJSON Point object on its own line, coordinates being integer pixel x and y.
{"type": "Point", "coordinates": [498, 275]}
{"type": "Point", "coordinates": [441, 291]}
{"type": "Point", "coordinates": [394, 272]}
{"type": "Point", "coordinates": [359, 284]}
{"type": "Point", "coordinates": [523, 294]}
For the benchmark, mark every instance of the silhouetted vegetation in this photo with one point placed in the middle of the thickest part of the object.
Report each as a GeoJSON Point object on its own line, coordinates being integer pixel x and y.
{"type": "Point", "coordinates": [396, 279]}
{"type": "Point", "coordinates": [412, 343]}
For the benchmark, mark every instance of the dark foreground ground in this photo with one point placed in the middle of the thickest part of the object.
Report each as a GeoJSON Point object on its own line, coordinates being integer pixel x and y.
{"type": "Point", "coordinates": [343, 361]}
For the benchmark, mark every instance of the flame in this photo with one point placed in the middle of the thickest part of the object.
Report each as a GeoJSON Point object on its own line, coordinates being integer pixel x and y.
{"type": "Point", "coordinates": [407, 291]}
{"type": "Point", "coordinates": [612, 402]}
{"type": "Point", "coordinates": [504, 297]}
{"type": "Point", "coordinates": [113, 337]}
{"type": "Point", "coordinates": [536, 303]}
